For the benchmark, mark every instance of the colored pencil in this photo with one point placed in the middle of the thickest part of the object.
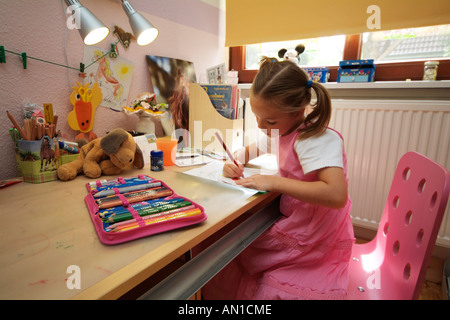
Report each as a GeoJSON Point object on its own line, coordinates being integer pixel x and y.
{"type": "Point", "coordinates": [128, 195]}
{"type": "Point", "coordinates": [22, 133]}
{"type": "Point", "coordinates": [163, 218]}
{"type": "Point", "coordinates": [126, 189]}
{"type": "Point", "coordinates": [113, 183]}
{"type": "Point", "coordinates": [144, 212]}
{"type": "Point", "coordinates": [137, 206]}
{"type": "Point", "coordinates": [113, 201]}
{"type": "Point", "coordinates": [127, 222]}
{"type": "Point", "coordinates": [227, 150]}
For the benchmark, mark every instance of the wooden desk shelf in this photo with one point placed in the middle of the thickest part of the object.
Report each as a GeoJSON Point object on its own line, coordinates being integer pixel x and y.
{"type": "Point", "coordinates": [204, 121]}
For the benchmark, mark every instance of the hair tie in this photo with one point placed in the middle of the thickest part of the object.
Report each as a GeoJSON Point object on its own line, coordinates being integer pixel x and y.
{"type": "Point", "coordinates": [309, 84]}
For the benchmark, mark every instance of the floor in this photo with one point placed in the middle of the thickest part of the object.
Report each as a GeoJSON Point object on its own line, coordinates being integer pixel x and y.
{"type": "Point", "coordinates": [432, 288]}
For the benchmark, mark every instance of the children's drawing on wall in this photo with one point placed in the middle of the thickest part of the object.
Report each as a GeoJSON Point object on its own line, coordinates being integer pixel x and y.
{"type": "Point", "coordinates": [113, 76]}
{"type": "Point", "coordinates": [170, 78]}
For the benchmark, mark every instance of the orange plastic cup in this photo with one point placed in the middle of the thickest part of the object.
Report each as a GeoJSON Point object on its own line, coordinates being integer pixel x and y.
{"type": "Point", "coordinates": [168, 147]}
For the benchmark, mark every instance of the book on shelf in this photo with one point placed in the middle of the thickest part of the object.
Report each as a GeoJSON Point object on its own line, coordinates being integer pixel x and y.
{"type": "Point", "coordinates": [224, 98]}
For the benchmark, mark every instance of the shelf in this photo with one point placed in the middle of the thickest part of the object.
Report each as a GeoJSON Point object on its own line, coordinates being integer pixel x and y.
{"type": "Point", "coordinates": [389, 85]}
{"type": "Point", "coordinates": [429, 90]}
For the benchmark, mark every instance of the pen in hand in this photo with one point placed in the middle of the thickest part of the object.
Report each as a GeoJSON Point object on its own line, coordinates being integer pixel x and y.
{"type": "Point", "coordinates": [228, 152]}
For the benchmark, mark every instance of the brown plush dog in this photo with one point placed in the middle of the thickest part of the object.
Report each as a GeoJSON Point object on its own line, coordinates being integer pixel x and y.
{"type": "Point", "coordinates": [107, 155]}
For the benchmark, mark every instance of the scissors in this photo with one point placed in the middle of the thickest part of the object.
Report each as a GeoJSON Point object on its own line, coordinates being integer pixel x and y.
{"type": "Point", "coordinates": [86, 94]}
{"type": "Point", "coordinates": [15, 136]}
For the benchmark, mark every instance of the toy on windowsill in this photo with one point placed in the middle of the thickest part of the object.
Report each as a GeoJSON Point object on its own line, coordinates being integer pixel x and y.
{"type": "Point", "coordinates": [146, 108]}
{"type": "Point", "coordinates": [292, 54]}
{"type": "Point", "coordinates": [85, 100]}
{"type": "Point", "coordinates": [108, 155]}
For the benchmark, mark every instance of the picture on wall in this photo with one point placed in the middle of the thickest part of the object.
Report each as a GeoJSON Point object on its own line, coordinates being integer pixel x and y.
{"type": "Point", "coordinates": [170, 78]}
{"type": "Point", "coordinates": [113, 76]}
{"type": "Point", "coordinates": [217, 74]}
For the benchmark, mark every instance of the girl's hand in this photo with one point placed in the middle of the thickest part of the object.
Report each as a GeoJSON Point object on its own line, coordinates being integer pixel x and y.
{"type": "Point", "coordinates": [230, 170]}
{"type": "Point", "coordinates": [258, 182]}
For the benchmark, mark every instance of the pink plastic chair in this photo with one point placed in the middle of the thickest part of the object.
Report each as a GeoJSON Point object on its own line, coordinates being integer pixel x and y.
{"type": "Point", "coordinates": [394, 263]}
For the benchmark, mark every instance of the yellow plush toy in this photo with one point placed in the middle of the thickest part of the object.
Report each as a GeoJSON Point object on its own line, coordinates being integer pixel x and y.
{"type": "Point", "coordinates": [108, 155]}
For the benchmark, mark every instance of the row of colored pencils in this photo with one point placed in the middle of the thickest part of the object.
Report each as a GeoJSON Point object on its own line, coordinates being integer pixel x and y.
{"type": "Point", "coordinates": [132, 197]}
{"type": "Point", "coordinates": [182, 210]}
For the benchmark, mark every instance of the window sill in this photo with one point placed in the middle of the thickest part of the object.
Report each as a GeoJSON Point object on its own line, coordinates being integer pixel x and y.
{"type": "Point", "coordinates": [429, 90]}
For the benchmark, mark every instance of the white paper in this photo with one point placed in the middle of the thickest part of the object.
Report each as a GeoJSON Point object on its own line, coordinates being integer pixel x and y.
{"type": "Point", "coordinates": [147, 143]}
{"type": "Point", "coordinates": [214, 171]}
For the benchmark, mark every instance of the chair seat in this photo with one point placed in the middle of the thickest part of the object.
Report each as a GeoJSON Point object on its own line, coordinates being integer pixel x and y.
{"type": "Point", "coordinates": [372, 280]}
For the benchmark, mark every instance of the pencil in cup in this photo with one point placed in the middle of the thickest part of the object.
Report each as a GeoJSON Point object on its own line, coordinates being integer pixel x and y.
{"type": "Point", "coordinates": [21, 130]}
{"type": "Point", "coordinates": [159, 219]}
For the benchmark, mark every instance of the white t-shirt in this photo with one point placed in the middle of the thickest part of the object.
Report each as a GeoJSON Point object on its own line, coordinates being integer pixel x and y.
{"type": "Point", "coordinates": [314, 153]}
{"type": "Point", "coordinates": [320, 152]}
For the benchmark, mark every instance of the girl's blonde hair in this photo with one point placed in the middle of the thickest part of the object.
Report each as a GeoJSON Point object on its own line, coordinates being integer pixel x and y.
{"type": "Point", "coordinates": [287, 87]}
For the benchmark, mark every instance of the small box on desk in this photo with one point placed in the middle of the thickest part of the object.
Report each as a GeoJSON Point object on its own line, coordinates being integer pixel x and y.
{"type": "Point", "coordinates": [356, 71]}
{"type": "Point", "coordinates": [318, 74]}
{"type": "Point", "coordinates": [37, 160]}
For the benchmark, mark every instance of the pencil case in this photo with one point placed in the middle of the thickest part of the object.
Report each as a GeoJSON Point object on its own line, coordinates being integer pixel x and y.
{"type": "Point", "coordinates": [126, 209]}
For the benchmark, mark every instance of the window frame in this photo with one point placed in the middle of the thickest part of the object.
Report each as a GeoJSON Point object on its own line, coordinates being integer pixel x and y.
{"type": "Point", "coordinates": [389, 71]}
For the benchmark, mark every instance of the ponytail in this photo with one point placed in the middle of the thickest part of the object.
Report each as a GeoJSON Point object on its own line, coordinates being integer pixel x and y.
{"type": "Point", "coordinates": [317, 121]}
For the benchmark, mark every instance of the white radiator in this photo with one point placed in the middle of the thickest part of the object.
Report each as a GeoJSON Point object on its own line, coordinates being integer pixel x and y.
{"type": "Point", "coordinates": [376, 134]}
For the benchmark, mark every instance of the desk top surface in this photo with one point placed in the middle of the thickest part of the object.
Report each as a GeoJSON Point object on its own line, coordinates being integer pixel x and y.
{"type": "Point", "coordinates": [46, 228]}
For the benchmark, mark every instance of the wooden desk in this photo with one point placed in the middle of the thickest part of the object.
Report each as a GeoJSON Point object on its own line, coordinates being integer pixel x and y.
{"type": "Point", "coordinates": [45, 228]}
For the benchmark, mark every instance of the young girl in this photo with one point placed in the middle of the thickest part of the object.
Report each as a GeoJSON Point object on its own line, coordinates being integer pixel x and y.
{"type": "Point", "coordinates": [305, 254]}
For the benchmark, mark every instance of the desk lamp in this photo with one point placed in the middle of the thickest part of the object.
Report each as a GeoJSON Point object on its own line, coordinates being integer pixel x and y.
{"type": "Point", "coordinates": [143, 30]}
{"type": "Point", "coordinates": [91, 29]}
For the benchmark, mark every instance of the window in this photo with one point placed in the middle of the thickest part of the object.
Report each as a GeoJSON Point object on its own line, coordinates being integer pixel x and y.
{"type": "Point", "coordinates": [407, 44]}
{"type": "Point", "coordinates": [318, 52]}
{"type": "Point", "coordinates": [398, 54]}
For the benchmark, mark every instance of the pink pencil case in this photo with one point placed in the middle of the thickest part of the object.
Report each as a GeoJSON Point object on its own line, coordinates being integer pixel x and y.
{"type": "Point", "coordinates": [120, 216]}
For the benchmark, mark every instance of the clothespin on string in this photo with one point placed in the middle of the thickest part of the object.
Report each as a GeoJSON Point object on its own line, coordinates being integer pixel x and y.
{"type": "Point", "coordinates": [24, 59]}
{"type": "Point", "coordinates": [82, 74]}
{"type": "Point", "coordinates": [2, 54]}
{"type": "Point", "coordinates": [113, 52]}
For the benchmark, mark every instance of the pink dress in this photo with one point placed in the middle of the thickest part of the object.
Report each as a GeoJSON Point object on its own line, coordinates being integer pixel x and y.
{"type": "Point", "coordinates": [304, 255]}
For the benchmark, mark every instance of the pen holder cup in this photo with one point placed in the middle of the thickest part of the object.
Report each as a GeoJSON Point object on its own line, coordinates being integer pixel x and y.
{"type": "Point", "coordinates": [168, 147]}
{"type": "Point", "coordinates": [38, 160]}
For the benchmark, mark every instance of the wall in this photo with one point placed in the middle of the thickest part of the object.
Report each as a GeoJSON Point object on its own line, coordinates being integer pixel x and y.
{"type": "Point", "coordinates": [39, 29]}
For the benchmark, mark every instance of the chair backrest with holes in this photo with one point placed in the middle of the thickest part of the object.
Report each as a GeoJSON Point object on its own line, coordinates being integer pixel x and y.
{"type": "Point", "coordinates": [410, 224]}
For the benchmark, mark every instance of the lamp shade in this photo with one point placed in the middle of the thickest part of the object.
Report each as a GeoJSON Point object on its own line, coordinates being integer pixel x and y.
{"type": "Point", "coordinates": [143, 30]}
{"type": "Point", "coordinates": [91, 29]}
